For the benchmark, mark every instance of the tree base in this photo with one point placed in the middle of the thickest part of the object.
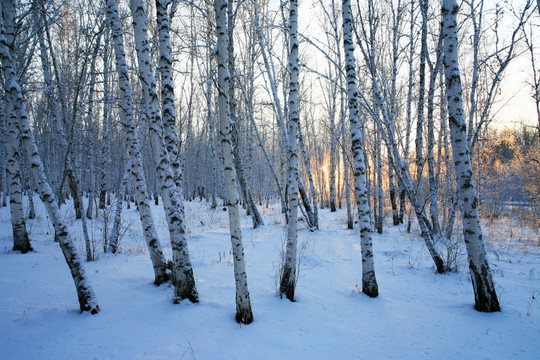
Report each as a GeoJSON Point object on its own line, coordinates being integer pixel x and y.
{"type": "Point", "coordinates": [485, 297]}
{"type": "Point", "coordinates": [23, 249]}
{"type": "Point", "coordinates": [244, 316]}
{"type": "Point", "coordinates": [287, 285]}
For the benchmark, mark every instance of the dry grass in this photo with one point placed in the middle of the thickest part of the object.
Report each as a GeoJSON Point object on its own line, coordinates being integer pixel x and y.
{"type": "Point", "coordinates": [514, 233]}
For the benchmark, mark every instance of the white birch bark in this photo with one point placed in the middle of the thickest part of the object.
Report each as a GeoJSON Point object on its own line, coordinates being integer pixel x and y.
{"type": "Point", "coordinates": [419, 141]}
{"type": "Point", "coordinates": [85, 293]}
{"type": "Point", "coordinates": [115, 232]}
{"type": "Point", "coordinates": [432, 178]}
{"type": "Point", "coordinates": [397, 13]}
{"type": "Point", "coordinates": [21, 241]}
{"type": "Point", "coordinates": [484, 288]}
{"type": "Point", "coordinates": [238, 162]}
{"type": "Point", "coordinates": [168, 110]}
{"type": "Point", "coordinates": [183, 279]}
{"type": "Point", "coordinates": [288, 274]}
{"type": "Point", "coordinates": [333, 152]}
{"type": "Point", "coordinates": [134, 148]}
{"type": "Point", "coordinates": [311, 206]}
{"type": "Point", "coordinates": [410, 85]}
{"type": "Point", "coordinates": [379, 219]}
{"type": "Point", "coordinates": [105, 128]}
{"type": "Point", "coordinates": [369, 281]}
{"type": "Point", "coordinates": [270, 72]}
{"type": "Point", "coordinates": [401, 166]}
{"type": "Point", "coordinates": [244, 314]}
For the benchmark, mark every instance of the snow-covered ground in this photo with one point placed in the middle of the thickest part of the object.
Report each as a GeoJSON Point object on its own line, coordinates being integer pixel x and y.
{"type": "Point", "coordinates": [418, 315]}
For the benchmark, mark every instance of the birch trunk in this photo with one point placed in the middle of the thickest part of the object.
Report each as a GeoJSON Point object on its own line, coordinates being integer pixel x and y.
{"type": "Point", "coordinates": [333, 152]}
{"type": "Point", "coordinates": [410, 82]}
{"type": "Point", "coordinates": [115, 232]}
{"type": "Point", "coordinates": [379, 221]}
{"type": "Point", "coordinates": [482, 282]}
{"type": "Point", "coordinates": [369, 281]}
{"type": "Point", "coordinates": [244, 314]}
{"type": "Point", "coordinates": [396, 21]}
{"type": "Point", "coordinates": [21, 241]}
{"type": "Point", "coordinates": [19, 117]}
{"type": "Point", "coordinates": [403, 171]}
{"type": "Point", "coordinates": [288, 275]}
{"type": "Point", "coordinates": [238, 163]}
{"type": "Point", "coordinates": [270, 72]}
{"type": "Point", "coordinates": [419, 141]}
{"type": "Point", "coordinates": [168, 110]}
{"type": "Point", "coordinates": [183, 279]}
{"type": "Point", "coordinates": [432, 178]}
{"type": "Point", "coordinates": [106, 122]}
{"type": "Point", "coordinates": [134, 149]}
{"type": "Point", "coordinates": [311, 206]}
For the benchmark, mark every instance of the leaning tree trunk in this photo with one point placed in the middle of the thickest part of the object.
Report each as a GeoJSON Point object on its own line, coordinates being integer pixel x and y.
{"type": "Point", "coordinates": [244, 314]}
{"type": "Point", "coordinates": [312, 208]}
{"type": "Point", "coordinates": [134, 149]}
{"type": "Point", "coordinates": [405, 180]}
{"type": "Point", "coordinates": [13, 93]}
{"type": "Point", "coordinates": [482, 282]}
{"type": "Point", "coordinates": [369, 281]}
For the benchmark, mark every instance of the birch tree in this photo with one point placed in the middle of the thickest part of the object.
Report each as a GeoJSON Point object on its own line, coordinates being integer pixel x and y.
{"type": "Point", "coordinates": [366, 42]}
{"type": "Point", "coordinates": [134, 148]}
{"type": "Point", "coordinates": [183, 279]}
{"type": "Point", "coordinates": [21, 241]}
{"type": "Point", "coordinates": [369, 281]}
{"type": "Point", "coordinates": [238, 162]}
{"type": "Point", "coordinates": [288, 274]}
{"type": "Point", "coordinates": [484, 288]}
{"type": "Point", "coordinates": [244, 314]}
{"type": "Point", "coordinates": [19, 117]}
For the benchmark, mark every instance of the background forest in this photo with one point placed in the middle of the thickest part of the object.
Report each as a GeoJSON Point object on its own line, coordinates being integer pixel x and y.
{"type": "Point", "coordinates": [64, 57]}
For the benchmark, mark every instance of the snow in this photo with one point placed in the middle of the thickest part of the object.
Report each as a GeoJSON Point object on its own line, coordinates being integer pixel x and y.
{"type": "Point", "coordinates": [418, 315]}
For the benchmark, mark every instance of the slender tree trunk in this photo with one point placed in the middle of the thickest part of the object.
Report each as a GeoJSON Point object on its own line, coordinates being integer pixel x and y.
{"type": "Point", "coordinates": [369, 281]}
{"type": "Point", "coordinates": [167, 90]}
{"type": "Point", "coordinates": [333, 152]}
{"type": "Point", "coordinates": [288, 276]}
{"type": "Point", "coordinates": [244, 314]}
{"type": "Point", "coordinates": [270, 71]}
{"type": "Point", "coordinates": [134, 149]}
{"type": "Point", "coordinates": [419, 141]}
{"type": "Point", "coordinates": [238, 163]}
{"type": "Point", "coordinates": [183, 279]}
{"type": "Point", "coordinates": [484, 289]}
{"type": "Point", "coordinates": [21, 241]}
{"type": "Point", "coordinates": [115, 232]}
{"type": "Point", "coordinates": [311, 206]}
{"type": "Point", "coordinates": [105, 126]}
{"type": "Point", "coordinates": [87, 299]}
{"type": "Point", "coordinates": [380, 197]}
{"type": "Point", "coordinates": [432, 179]}
{"type": "Point", "coordinates": [397, 14]}
{"type": "Point", "coordinates": [79, 209]}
